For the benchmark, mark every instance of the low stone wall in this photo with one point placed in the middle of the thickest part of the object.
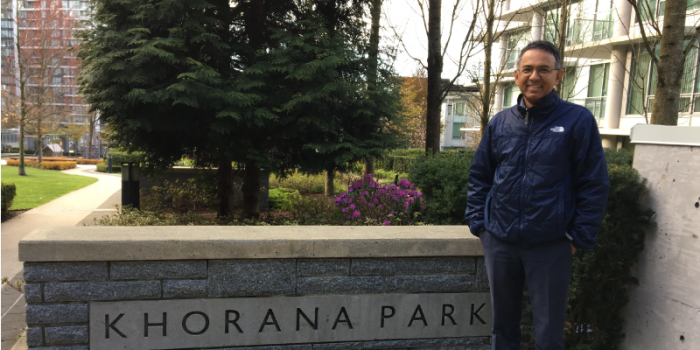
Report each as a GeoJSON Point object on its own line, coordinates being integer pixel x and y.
{"type": "Point", "coordinates": [419, 263]}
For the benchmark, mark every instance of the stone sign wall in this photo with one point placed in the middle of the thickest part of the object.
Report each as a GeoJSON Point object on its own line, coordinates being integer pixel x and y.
{"type": "Point", "coordinates": [288, 303]}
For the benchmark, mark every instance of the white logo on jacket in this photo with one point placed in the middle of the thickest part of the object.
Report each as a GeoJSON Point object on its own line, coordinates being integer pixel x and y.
{"type": "Point", "coordinates": [557, 129]}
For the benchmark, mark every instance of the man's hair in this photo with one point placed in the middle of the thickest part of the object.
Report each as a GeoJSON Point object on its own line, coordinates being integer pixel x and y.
{"type": "Point", "coordinates": [545, 46]}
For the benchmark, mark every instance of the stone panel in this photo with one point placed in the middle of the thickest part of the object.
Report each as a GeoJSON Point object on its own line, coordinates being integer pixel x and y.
{"type": "Point", "coordinates": [340, 285]}
{"type": "Point", "coordinates": [229, 278]}
{"type": "Point", "coordinates": [61, 313]}
{"type": "Point", "coordinates": [482, 278]}
{"type": "Point", "coordinates": [426, 284]}
{"type": "Point", "coordinates": [34, 336]}
{"type": "Point", "coordinates": [323, 267]}
{"type": "Point", "coordinates": [32, 292]}
{"type": "Point", "coordinates": [185, 289]}
{"type": "Point", "coordinates": [66, 335]}
{"type": "Point", "coordinates": [338, 346]}
{"type": "Point", "coordinates": [89, 291]}
{"type": "Point", "coordinates": [148, 270]}
{"type": "Point", "coordinates": [441, 343]}
{"type": "Point", "coordinates": [65, 271]}
{"type": "Point", "coordinates": [412, 266]}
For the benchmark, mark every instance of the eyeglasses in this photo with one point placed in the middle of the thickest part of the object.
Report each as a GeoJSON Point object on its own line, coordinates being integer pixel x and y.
{"type": "Point", "coordinates": [541, 71]}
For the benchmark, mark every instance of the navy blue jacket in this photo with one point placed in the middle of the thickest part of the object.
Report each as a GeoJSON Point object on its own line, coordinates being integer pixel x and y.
{"type": "Point", "coordinates": [539, 175]}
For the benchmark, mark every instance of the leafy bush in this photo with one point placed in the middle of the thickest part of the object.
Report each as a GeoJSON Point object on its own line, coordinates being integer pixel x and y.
{"type": "Point", "coordinates": [388, 175]}
{"type": "Point", "coordinates": [411, 152]}
{"type": "Point", "coordinates": [119, 156]}
{"type": "Point", "coordinates": [52, 164]}
{"type": "Point", "coordinates": [102, 167]}
{"type": "Point", "coordinates": [185, 162]}
{"type": "Point", "coordinates": [9, 191]}
{"type": "Point", "coordinates": [88, 161]}
{"type": "Point", "coordinates": [306, 210]}
{"type": "Point", "coordinates": [367, 202]}
{"type": "Point", "coordinates": [55, 165]}
{"type": "Point", "coordinates": [129, 216]}
{"type": "Point", "coordinates": [279, 196]}
{"type": "Point", "coordinates": [304, 183]}
{"type": "Point", "coordinates": [181, 197]}
{"type": "Point", "coordinates": [618, 157]}
{"type": "Point", "coordinates": [443, 180]}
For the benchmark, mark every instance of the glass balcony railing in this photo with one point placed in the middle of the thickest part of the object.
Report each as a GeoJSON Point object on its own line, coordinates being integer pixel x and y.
{"type": "Point", "coordinates": [594, 104]}
{"type": "Point", "coordinates": [583, 30]}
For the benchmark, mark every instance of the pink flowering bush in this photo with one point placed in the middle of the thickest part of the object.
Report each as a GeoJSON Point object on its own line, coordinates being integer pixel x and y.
{"type": "Point", "coordinates": [367, 202]}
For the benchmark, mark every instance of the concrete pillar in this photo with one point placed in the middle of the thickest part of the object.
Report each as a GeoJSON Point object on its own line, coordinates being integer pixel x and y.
{"type": "Point", "coordinates": [609, 141]}
{"type": "Point", "coordinates": [616, 88]}
{"type": "Point", "coordinates": [537, 28]}
{"type": "Point", "coordinates": [621, 16]}
{"type": "Point", "coordinates": [498, 98]}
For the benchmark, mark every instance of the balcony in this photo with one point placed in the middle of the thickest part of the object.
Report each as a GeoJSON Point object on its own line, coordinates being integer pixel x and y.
{"type": "Point", "coordinates": [585, 30]}
{"type": "Point", "coordinates": [594, 104]}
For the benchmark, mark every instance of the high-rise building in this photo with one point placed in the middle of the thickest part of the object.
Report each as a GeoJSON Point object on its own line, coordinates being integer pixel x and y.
{"type": "Point", "coordinates": [606, 67]}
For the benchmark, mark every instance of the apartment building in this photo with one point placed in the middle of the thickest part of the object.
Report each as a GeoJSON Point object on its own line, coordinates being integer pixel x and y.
{"type": "Point", "coordinates": [26, 18]}
{"type": "Point", "coordinates": [460, 119]}
{"type": "Point", "coordinates": [606, 67]}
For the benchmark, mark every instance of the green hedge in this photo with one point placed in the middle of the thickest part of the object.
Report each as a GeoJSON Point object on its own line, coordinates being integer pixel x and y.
{"type": "Point", "coordinates": [102, 167]}
{"type": "Point", "coordinates": [119, 156]}
{"type": "Point", "coordinates": [9, 191]}
{"type": "Point", "coordinates": [442, 178]}
{"type": "Point", "coordinates": [396, 164]}
{"type": "Point", "coordinates": [618, 157]}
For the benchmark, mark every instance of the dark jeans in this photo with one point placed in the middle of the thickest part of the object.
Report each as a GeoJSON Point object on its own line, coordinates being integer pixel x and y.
{"type": "Point", "coordinates": [547, 270]}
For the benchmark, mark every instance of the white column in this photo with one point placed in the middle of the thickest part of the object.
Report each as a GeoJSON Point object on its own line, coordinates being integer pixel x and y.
{"type": "Point", "coordinates": [616, 88]}
{"type": "Point", "coordinates": [537, 26]}
{"type": "Point", "coordinates": [498, 98]}
{"type": "Point", "coordinates": [621, 16]}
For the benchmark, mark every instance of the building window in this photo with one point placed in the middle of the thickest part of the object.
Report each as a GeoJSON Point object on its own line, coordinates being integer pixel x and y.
{"type": "Point", "coordinates": [591, 20]}
{"type": "Point", "coordinates": [568, 85]}
{"type": "Point", "coordinates": [597, 90]}
{"type": "Point", "coordinates": [508, 95]}
{"type": "Point", "coordinates": [516, 42]}
{"type": "Point", "coordinates": [458, 123]}
{"type": "Point", "coordinates": [644, 77]}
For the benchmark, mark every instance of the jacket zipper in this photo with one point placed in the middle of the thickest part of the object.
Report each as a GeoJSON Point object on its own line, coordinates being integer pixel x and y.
{"type": "Point", "coordinates": [525, 164]}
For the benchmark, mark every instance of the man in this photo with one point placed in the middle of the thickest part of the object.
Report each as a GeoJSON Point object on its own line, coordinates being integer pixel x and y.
{"type": "Point", "coordinates": [538, 187]}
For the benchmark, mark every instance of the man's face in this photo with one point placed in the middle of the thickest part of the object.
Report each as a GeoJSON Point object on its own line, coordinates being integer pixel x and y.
{"type": "Point", "coordinates": [536, 76]}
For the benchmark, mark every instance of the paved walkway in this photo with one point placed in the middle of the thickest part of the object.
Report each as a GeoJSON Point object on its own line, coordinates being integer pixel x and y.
{"type": "Point", "coordinates": [73, 209]}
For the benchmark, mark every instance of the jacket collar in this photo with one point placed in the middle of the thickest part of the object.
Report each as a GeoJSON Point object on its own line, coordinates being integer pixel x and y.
{"type": "Point", "coordinates": [544, 107]}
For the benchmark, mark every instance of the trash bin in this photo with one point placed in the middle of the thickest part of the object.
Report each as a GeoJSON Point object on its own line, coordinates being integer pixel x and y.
{"type": "Point", "coordinates": [130, 185]}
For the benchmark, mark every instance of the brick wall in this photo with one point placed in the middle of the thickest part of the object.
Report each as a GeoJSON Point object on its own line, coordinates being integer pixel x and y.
{"type": "Point", "coordinates": [58, 293]}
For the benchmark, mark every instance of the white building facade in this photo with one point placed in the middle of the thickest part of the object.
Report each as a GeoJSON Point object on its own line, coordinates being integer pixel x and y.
{"type": "Point", "coordinates": [606, 67]}
{"type": "Point", "coordinates": [459, 119]}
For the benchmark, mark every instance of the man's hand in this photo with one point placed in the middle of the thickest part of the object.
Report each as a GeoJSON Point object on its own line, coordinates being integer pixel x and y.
{"type": "Point", "coordinates": [573, 249]}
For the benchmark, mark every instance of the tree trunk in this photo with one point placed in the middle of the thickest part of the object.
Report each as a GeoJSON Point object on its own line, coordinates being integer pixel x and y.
{"type": "Point", "coordinates": [251, 190]}
{"type": "Point", "coordinates": [432, 133]}
{"type": "Point", "coordinates": [330, 185]}
{"type": "Point", "coordinates": [488, 47]}
{"type": "Point", "coordinates": [670, 67]}
{"type": "Point", "coordinates": [40, 143]}
{"type": "Point", "coordinates": [368, 167]}
{"type": "Point", "coordinates": [563, 22]}
{"type": "Point", "coordinates": [373, 62]}
{"type": "Point", "coordinates": [224, 182]}
{"type": "Point", "coordinates": [22, 172]}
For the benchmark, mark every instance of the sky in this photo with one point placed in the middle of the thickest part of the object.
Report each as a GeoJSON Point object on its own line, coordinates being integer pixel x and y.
{"type": "Point", "coordinates": [404, 16]}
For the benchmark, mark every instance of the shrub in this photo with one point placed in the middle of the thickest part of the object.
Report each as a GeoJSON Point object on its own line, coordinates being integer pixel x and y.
{"type": "Point", "coordinates": [443, 180]}
{"type": "Point", "coordinates": [9, 191]}
{"type": "Point", "coordinates": [618, 156]}
{"type": "Point", "coordinates": [128, 216]}
{"type": "Point", "coordinates": [88, 161]}
{"type": "Point", "coordinates": [306, 210]}
{"type": "Point", "coordinates": [411, 152]}
{"type": "Point", "coordinates": [279, 196]}
{"type": "Point", "coordinates": [304, 183]}
{"type": "Point", "coordinates": [367, 202]}
{"type": "Point", "coordinates": [119, 156]}
{"type": "Point", "coordinates": [397, 164]}
{"type": "Point", "coordinates": [102, 167]}
{"type": "Point", "coordinates": [388, 175]}
{"type": "Point", "coordinates": [181, 197]}
{"type": "Point", "coordinates": [55, 165]}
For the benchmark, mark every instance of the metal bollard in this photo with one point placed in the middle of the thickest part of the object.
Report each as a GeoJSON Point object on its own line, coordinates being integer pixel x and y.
{"type": "Point", "coordinates": [109, 164]}
{"type": "Point", "coordinates": [130, 185]}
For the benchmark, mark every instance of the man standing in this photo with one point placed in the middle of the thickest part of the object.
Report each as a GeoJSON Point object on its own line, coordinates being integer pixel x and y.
{"type": "Point", "coordinates": [538, 187]}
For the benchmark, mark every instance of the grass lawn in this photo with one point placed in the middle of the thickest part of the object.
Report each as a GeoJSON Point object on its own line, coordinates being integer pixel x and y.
{"type": "Point", "coordinates": [41, 186]}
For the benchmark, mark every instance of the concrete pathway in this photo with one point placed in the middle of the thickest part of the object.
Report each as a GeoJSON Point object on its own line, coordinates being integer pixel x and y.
{"type": "Point", "coordinates": [73, 209]}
